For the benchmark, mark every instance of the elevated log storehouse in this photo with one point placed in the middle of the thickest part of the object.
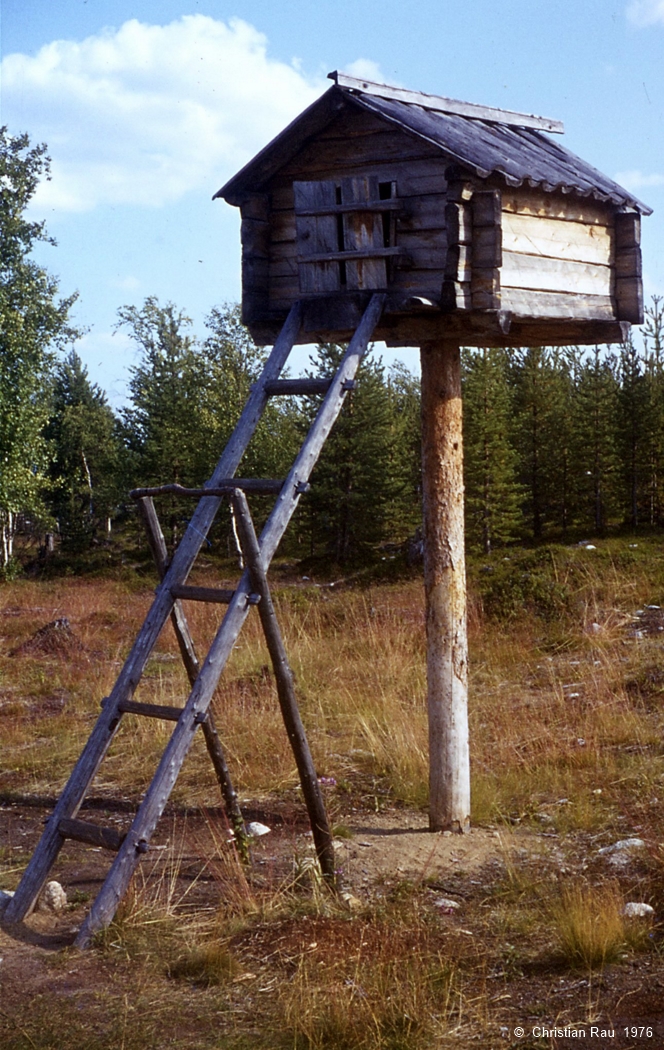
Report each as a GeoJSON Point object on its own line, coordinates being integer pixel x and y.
{"type": "Point", "coordinates": [480, 230]}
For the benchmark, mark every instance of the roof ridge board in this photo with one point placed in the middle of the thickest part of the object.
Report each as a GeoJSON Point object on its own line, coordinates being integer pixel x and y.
{"type": "Point", "coordinates": [438, 103]}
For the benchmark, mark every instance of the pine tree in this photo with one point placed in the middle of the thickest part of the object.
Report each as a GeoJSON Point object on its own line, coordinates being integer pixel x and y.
{"type": "Point", "coordinates": [83, 435]}
{"type": "Point", "coordinates": [632, 429]}
{"type": "Point", "coordinates": [493, 494]}
{"type": "Point", "coordinates": [596, 454]}
{"type": "Point", "coordinates": [653, 354]}
{"type": "Point", "coordinates": [356, 481]}
{"type": "Point", "coordinates": [540, 379]}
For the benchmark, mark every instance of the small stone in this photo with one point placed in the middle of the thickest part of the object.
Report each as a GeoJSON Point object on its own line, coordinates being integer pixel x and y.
{"type": "Point", "coordinates": [53, 898]}
{"type": "Point", "coordinates": [255, 829]}
{"type": "Point", "coordinates": [352, 903]}
{"type": "Point", "coordinates": [446, 905]}
{"type": "Point", "coordinates": [637, 910]}
{"type": "Point", "coordinates": [447, 834]}
{"type": "Point", "coordinates": [620, 853]}
{"type": "Point", "coordinates": [624, 845]}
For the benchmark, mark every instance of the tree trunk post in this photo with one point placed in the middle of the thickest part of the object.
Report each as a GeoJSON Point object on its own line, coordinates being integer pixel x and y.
{"type": "Point", "coordinates": [445, 587]}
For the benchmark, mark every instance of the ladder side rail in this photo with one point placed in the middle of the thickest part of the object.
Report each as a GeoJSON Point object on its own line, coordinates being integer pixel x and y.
{"type": "Point", "coordinates": [105, 728]}
{"type": "Point", "coordinates": [176, 750]}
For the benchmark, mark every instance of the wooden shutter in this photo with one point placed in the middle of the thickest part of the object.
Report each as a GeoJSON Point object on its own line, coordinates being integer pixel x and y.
{"type": "Point", "coordinates": [340, 233]}
{"type": "Point", "coordinates": [316, 235]}
{"type": "Point", "coordinates": [363, 232]}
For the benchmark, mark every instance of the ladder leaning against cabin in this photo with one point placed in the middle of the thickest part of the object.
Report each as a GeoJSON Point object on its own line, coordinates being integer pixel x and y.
{"type": "Point", "coordinates": [252, 589]}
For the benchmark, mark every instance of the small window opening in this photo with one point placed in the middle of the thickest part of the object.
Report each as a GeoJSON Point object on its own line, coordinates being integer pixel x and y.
{"type": "Point", "coordinates": [340, 239]}
{"type": "Point", "coordinates": [386, 191]}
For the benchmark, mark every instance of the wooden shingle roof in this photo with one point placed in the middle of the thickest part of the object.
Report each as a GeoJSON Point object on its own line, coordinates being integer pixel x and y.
{"type": "Point", "coordinates": [484, 141]}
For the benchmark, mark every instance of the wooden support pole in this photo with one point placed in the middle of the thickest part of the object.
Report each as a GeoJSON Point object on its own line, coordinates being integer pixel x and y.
{"type": "Point", "coordinates": [445, 587]}
{"type": "Point", "coordinates": [313, 795]}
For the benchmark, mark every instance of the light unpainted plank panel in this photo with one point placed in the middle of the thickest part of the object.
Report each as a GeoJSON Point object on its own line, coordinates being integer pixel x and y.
{"type": "Point", "coordinates": [557, 238]}
{"type": "Point", "coordinates": [554, 275]}
{"type": "Point", "coordinates": [563, 305]}
{"type": "Point", "coordinates": [556, 206]}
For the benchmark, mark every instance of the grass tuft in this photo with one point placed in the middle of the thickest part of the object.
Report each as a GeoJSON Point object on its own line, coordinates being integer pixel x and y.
{"type": "Point", "coordinates": [590, 925]}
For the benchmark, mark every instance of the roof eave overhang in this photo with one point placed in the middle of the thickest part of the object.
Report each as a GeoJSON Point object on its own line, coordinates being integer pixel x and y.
{"type": "Point", "coordinates": [280, 150]}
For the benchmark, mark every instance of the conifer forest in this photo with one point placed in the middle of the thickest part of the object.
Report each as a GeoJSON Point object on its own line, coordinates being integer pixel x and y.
{"type": "Point", "coordinates": [558, 442]}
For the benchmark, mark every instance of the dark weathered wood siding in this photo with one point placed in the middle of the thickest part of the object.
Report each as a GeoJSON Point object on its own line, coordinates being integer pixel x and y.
{"type": "Point", "coordinates": [354, 144]}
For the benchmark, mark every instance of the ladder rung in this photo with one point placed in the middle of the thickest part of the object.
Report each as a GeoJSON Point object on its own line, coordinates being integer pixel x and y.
{"type": "Point", "coordinates": [259, 486]}
{"type": "Point", "coordinates": [93, 834]}
{"type": "Point", "coordinates": [203, 594]}
{"type": "Point", "coordinates": [132, 707]}
{"type": "Point", "coordinates": [298, 386]}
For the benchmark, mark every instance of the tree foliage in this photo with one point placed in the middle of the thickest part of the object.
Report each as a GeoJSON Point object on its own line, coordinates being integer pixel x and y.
{"type": "Point", "coordinates": [33, 321]}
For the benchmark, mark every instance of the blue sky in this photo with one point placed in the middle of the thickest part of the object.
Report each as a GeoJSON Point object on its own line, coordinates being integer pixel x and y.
{"type": "Point", "coordinates": [148, 106]}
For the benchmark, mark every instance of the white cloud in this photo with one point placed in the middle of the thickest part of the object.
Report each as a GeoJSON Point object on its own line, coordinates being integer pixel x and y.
{"type": "Point", "coordinates": [367, 69]}
{"type": "Point", "coordinates": [636, 180]}
{"type": "Point", "coordinates": [143, 114]}
{"type": "Point", "coordinates": [645, 12]}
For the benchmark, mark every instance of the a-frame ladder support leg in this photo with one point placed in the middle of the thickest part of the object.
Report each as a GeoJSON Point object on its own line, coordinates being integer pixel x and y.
{"type": "Point", "coordinates": [188, 652]}
{"type": "Point", "coordinates": [286, 689]}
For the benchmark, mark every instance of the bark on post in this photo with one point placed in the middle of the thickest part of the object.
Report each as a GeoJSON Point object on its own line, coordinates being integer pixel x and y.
{"type": "Point", "coordinates": [445, 587]}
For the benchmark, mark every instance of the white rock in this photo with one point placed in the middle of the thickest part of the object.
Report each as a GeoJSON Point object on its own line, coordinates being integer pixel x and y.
{"type": "Point", "coordinates": [352, 903]}
{"type": "Point", "coordinates": [446, 905]}
{"type": "Point", "coordinates": [623, 846]}
{"type": "Point", "coordinates": [620, 853]}
{"type": "Point", "coordinates": [53, 898]}
{"type": "Point", "coordinates": [255, 829]}
{"type": "Point", "coordinates": [637, 910]}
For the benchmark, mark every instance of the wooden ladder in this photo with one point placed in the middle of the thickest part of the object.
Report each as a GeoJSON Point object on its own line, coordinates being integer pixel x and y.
{"type": "Point", "coordinates": [252, 590]}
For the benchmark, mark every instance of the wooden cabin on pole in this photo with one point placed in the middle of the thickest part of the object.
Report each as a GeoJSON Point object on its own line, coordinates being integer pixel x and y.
{"type": "Point", "coordinates": [480, 230]}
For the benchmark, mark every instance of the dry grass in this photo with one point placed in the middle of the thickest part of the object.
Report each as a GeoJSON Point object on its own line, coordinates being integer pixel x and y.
{"type": "Point", "coordinates": [566, 729]}
{"type": "Point", "coordinates": [590, 924]}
